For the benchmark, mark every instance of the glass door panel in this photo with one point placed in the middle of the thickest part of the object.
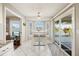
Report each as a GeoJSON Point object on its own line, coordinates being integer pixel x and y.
{"type": "Point", "coordinates": [57, 31]}
{"type": "Point", "coordinates": [63, 33]}
{"type": "Point", "coordinates": [66, 33]}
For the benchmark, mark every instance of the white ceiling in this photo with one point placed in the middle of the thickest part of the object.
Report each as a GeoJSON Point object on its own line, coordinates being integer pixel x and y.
{"type": "Point", "coordinates": [46, 10]}
{"type": "Point", "coordinates": [9, 13]}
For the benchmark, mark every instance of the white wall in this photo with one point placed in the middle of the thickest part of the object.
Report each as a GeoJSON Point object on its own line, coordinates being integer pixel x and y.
{"type": "Point", "coordinates": [77, 30]}
{"type": "Point", "coordinates": [27, 29]}
{"type": "Point", "coordinates": [51, 31]}
{"type": "Point", "coordinates": [23, 34]}
{"type": "Point", "coordinates": [2, 40]}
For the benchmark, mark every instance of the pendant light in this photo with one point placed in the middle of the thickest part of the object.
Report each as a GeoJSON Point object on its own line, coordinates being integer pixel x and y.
{"type": "Point", "coordinates": [38, 15]}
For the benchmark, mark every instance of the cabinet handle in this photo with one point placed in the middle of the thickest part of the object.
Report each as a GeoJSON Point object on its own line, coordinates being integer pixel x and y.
{"type": "Point", "coordinates": [5, 49]}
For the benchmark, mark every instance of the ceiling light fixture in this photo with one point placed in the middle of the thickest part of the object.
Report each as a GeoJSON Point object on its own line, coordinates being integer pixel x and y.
{"type": "Point", "coordinates": [38, 15]}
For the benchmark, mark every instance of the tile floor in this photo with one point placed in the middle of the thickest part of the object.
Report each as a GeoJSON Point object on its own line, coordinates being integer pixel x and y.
{"type": "Point", "coordinates": [29, 48]}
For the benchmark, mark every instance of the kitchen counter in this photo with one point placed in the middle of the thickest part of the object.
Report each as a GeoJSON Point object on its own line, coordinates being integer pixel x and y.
{"type": "Point", "coordinates": [7, 49]}
{"type": "Point", "coordinates": [7, 42]}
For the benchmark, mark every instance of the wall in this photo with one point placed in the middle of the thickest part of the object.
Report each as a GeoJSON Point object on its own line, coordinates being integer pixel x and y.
{"type": "Point", "coordinates": [8, 26]}
{"type": "Point", "coordinates": [48, 28]}
{"type": "Point", "coordinates": [51, 30]}
{"type": "Point", "coordinates": [2, 40]}
{"type": "Point", "coordinates": [23, 33]}
{"type": "Point", "coordinates": [77, 29]}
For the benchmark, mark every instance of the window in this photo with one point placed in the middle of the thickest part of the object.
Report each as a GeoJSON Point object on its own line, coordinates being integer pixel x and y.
{"type": "Point", "coordinates": [39, 25]}
{"type": "Point", "coordinates": [66, 29]}
{"type": "Point", "coordinates": [15, 28]}
{"type": "Point", "coordinates": [66, 33]}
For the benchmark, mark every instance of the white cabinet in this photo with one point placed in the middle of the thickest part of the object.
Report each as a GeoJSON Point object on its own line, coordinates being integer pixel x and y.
{"type": "Point", "coordinates": [7, 49]}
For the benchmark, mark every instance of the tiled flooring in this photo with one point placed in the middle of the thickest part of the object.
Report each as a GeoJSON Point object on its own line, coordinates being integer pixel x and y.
{"type": "Point", "coordinates": [28, 48]}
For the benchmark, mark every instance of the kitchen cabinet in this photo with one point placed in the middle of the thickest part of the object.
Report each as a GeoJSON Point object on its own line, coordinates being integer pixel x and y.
{"type": "Point", "coordinates": [7, 49]}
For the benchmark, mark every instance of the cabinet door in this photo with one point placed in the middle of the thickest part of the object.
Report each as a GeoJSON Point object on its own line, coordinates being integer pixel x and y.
{"type": "Point", "coordinates": [7, 50]}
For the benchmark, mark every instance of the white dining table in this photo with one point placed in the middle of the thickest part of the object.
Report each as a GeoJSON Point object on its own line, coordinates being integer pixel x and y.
{"type": "Point", "coordinates": [39, 35]}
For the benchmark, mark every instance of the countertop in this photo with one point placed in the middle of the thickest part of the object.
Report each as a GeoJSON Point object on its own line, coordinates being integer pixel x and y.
{"type": "Point", "coordinates": [7, 42]}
